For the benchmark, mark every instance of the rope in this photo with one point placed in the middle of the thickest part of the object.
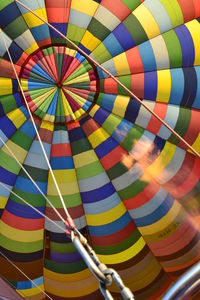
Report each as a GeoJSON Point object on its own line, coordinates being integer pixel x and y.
{"type": "Point", "coordinates": [114, 78]}
{"type": "Point", "coordinates": [36, 130]}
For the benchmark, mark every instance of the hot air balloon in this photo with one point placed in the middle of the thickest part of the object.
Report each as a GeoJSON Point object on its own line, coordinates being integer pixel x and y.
{"type": "Point", "coordinates": [131, 186]}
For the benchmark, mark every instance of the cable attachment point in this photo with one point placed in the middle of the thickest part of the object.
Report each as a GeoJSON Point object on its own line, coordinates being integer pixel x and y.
{"type": "Point", "coordinates": [70, 226]}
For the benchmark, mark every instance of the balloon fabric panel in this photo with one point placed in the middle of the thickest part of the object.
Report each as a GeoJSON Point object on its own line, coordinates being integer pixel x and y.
{"type": "Point", "coordinates": [131, 187]}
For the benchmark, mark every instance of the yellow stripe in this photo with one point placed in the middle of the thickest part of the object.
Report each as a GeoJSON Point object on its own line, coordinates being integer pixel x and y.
{"type": "Point", "coordinates": [77, 286]}
{"type": "Point", "coordinates": [94, 109]}
{"type": "Point", "coordinates": [82, 78]}
{"type": "Point", "coordinates": [194, 28]}
{"type": "Point", "coordinates": [125, 255]}
{"type": "Point", "coordinates": [3, 202]}
{"type": "Point", "coordinates": [24, 84]}
{"type": "Point", "coordinates": [85, 158]}
{"type": "Point", "coordinates": [75, 293]}
{"type": "Point", "coordinates": [19, 152]}
{"type": "Point", "coordinates": [162, 223]}
{"type": "Point", "coordinates": [141, 277]}
{"type": "Point", "coordinates": [47, 125]}
{"type": "Point", "coordinates": [67, 108]}
{"type": "Point", "coordinates": [32, 48]}
{"type": "Point", "coordinates": [42, 98]}
{"type": "Point", "coordinates": [70, 52]}
{"type": "Point", "coordinates": [64, 176]}
{"type": "Point", "coordinates": [97, 137]}
{"type": "Point", "coordinates": [65, 188]}
{"type": "Point", "coordinates": [147, 21]}
{"type": "Point", "coordinates": [121, 64]}
{"type": "Point", "coordinates": [6, 86]}
{"type": "Point", "coordinates": [67, 277]}
{"type": "Point", "coordinates": [106, 217]}
{"type": "Point", "coordinates": [21, 235]}
{"type": "Point", "coordinates": [196, 144]}
{"type": "Point", "coordinates": [87, 6]}
{"type": "Point", "coordinates": [17, 117]}
{"type": "Point", "coordinates": [31, 292]}
{"type": "Point", "coordinates": [120, 105]}
{"type": "Point", "coordinates": [49, 118]}
{"type": "Point", "coordinates": [33, 21]}
{"type": "Point", "coordinates": [90, 41]}
{"type": "Point", "coordinates": [162, 161]}
{"type": "Point", "coordinates": [164, 86]}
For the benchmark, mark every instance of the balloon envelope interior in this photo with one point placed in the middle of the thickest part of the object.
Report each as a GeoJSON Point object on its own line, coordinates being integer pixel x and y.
{"type": "Point", "coordinates": [131, 187]}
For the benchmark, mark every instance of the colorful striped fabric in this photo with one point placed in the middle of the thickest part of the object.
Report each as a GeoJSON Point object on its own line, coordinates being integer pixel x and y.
{"type": "Point", "coordinates": [132, 188]}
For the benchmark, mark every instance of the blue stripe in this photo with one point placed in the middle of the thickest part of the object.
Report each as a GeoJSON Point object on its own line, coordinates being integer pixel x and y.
{"type": "Point", "coordinates": [7, 126]}
{"type": "Point", "coordinates": [23, 285]}
{"type": "Point", "coordinates": [62, 163]}
{"type": "Point", "coordinates": [187, 45]}
{"type": "Point", "coordinates": [106, 147]}
{"type": "Point", "coordinates": [147, 56]}
{"type": "Point", "coordinates": [23, 211]}
{"type": "Point", "coordinates": [101, 115]}
{"type": "Point", "coordinates": [123, 36]}
{"type": "Point", "coordinates": [110, 228]}
{"type": "Point", "coordinates": [150, 85]}
{"type": "Point", "coordinates": [98, 194]}
{"type": "Point", "coordinates": [157, 214]}
{"type": "Point", "coordinates": [25, 185]}
{"type": "Point", "coordinates": [7, 177]}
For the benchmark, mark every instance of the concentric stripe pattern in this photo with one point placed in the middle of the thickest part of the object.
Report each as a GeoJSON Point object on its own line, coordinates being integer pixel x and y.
{"type": "Point", "coordinates": [132, 188]}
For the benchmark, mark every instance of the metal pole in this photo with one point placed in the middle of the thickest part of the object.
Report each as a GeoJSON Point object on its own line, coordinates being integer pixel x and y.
{"type": "Point", "coordinates": [185, 285]}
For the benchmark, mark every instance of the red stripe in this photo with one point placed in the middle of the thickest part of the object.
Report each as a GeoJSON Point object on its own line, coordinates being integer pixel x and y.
{"type": "Point", "coordinates": [197, 8]}
{"type": "Point", "coordinates": [143, 197]}
{"type": "Point", "coordinates": [110, 86]}
{"type": "Point", "coordinates": [22, 223]}
{"type": "Point", "coordinates": [154, 125]}
{"type": "Point", "coordinates": [134, 61]}
{"type": "Point", "coordinates": [75, 212]}
{"type": "Point", "coordinates": [89, 127]}
{"type": "Point", "coordinates": [58, 150]}
{"type": "Point", "coordinates": [113, 157]}
{"type": "Point", "coordinates": [187, 10]}
{"type": "Point", "coordinates": [189, 181]}
{"type": "Point", "coordinates": [137, 84]}
{"type": "Point", "coordinates": [115, 238]}
{"type": "Point", "coordinates": [73, 125]}
{"type": "Point", "coordinates": [119, 9]}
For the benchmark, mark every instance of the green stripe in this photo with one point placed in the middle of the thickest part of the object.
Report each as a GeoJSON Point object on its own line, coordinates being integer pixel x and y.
{"type": "Point", "coordinates": [89, 170]}
{"type": "Point", "coordinates": [64, 268]}
{"type": "Point", "coordinates": [135, 29]}
{"type": "Point", "coordinates": [21, 247]}
{"type": "Point", "coordinates": [132, 190]}
{"type": "Point", "coordinates": [174, 12]}
{"type": "Point", "coordinates": [21, 139]}
{"type": "Point", "coordinates": [174, 49]}
{"type": "Point", "coordinates": [182, 124]}
{"type": "Point", "coordinates": [9, 163]}
{"type": "Point", "coordinates": [8, 102]}
{"type": "Point", "coordinates": [134, 135]}
{"type": "Point", "coordinates": [113, 249]}
{"type": "Point", "coordinates": [72, 200]}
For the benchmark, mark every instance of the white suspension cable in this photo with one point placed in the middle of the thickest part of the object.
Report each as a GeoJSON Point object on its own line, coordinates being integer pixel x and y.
{"type": "Point", "coordinates": [16, 267]}
{"type": "Point", "coordinates": [36, 130]}
{"type": "Point", "coordinates": [32, 180]}
{"type": "Point", "coordinates": [34, 208]}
